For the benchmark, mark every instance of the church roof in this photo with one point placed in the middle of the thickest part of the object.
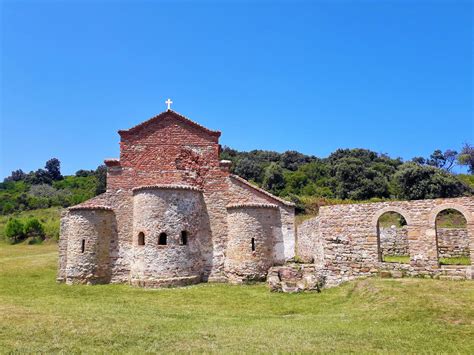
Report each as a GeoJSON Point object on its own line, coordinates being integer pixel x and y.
{"type": "Point", "coordinates": [275, 198]}
{"type": "Point", "coordinates": [175, 115]}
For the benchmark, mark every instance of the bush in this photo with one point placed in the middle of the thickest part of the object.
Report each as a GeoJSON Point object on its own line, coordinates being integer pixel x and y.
{"type": "Point", "coordinates": [34, 229]}
{"type": "Point", "coordinates": [14, 230]}
{"type": "Point", "coordinates": [417, 182]}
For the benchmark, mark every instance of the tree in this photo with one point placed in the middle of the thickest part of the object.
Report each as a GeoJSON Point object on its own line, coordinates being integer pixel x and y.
{"type": "Point", "coordinates": [292, 160]}
{"type": "Point", "coordinates": [53, 167]}
{"type": "Point", "coordinates": [101, 175]}
{"type": "Point", "coordinates": [420, 182]}
{"type": "Point", "coordinates": [419, 160]}
{"type": "Point", "coordinates": [84, 173]}
{"type": "Point", "coordinates": [16, 175]}
{"type": "Point", "coordinates": [442, 160]}
{"type": "Point", "coordinates": [466, 157]}
{"type": "Point", "coordinates": [14, 230]}
{"type": "Point", "coordinates": [352, 179]}
{"type": "Point", "coordinates": [34, 229]}
{"type": "Point", "coordinates": [273, 179]}
{"type": "Point", "coordinates": [38, 177]}
{"type": "Point", "coordinates": [249, 169]}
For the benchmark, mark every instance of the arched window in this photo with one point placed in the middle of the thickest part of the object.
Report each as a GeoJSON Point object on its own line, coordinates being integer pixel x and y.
{"type": "Point", "coordinates": [392, 238]}
{"type": "Point", "coordinates": [184, 238]}
{"type": "Point", "coordinates": [162, 239]}
{"type": "Point", "coordinates": [83, 245]}
{"type": "Point", "coordinates": [141, 238]}
{"type": "Point", "coordinates": [253, 244]}
{"type": "Point", "coordinates": [452, 238]}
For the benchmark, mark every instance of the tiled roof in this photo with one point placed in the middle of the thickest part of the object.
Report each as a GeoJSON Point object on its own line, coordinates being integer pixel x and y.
{"type": "Point", "coordinates": [100, 202]}
{"type": "Point", "coordinates": [285, 202]}
{"type": "Point", "coordinates": [257, 205]}
{"type": "Point", "coordinates": [175, 114]}
{"type": "Point", "coordinates": [169, 186]}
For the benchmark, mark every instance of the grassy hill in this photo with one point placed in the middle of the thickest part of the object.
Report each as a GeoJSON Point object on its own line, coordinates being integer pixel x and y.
{"type": "Point", "coordinates": [372, 315]}
{"type": "Point", "coordinates": [49, 217]}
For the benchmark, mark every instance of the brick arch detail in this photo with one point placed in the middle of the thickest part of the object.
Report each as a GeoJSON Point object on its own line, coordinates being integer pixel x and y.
{"type": "Point", "coordinates": [460, 208]}
{"type": "Point", "coordinates": [396, 209]}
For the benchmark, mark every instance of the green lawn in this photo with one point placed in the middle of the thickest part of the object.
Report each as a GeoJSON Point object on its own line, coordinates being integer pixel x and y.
{"type": "Point", "coordinates": [373, 315]}
{"type": "Point", "coordinates": [402, 259]}
{"type": "Point", "coordinates": [461, 260]}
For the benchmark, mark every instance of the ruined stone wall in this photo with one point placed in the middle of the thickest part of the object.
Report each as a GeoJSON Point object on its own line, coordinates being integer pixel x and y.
{"type": "Point", "coordinates": [87, 237]}
{"type": "Point", "coordinates": [246, 222]}
{"type": "Point", "coordinates": [394, 241]}
{"type": "Point", "coordinates": [348, 235]}
{"type": "Point", "coordinates": [170, 210]}
{"type": "Point", "coordinates": [452, 242]}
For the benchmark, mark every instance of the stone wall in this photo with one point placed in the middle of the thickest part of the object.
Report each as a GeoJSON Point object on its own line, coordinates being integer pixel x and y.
{"type": "Point", "coordinates": [252, 230]}
{"type": "Point", "coordinates": [85, 254]}
{"type": "Point", "coordinates": [343, 239]}
{"type": "Point", "coordinates": [168, 211]}
{"type": "Point", "coordinates": [394, 241]}
{"type": "Point", "coordinates": [452, 242]}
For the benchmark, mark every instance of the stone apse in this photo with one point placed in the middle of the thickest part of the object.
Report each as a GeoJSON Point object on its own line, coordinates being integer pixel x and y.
{"type": "Point", "coordinates": [343, 241]}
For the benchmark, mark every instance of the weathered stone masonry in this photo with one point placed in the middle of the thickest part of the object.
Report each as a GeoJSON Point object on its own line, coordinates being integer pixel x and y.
{"type": "Point", "coordinates": [169, 182]}
{"type": "Point", "coordinates": [343, 240]}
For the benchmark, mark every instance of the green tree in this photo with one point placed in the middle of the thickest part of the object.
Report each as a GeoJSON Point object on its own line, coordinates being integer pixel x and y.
{"type": "Point", "coordinates": [53, 167]}
{"type": "Point", "coordinates": [352, 179]}
{"type": "Point", "coordinates": [273, 178]}
{"type": "Point", "coordinates": [249, 169]}
{"type": "Point", "coordinates": [14, 230]}
{"type": "Point", "coordinates": [101, 175]}
{"type": "Point", "coordinates": [34, 229]}
{"type": "Point", "coordinates": [416, 181]}
{"type": "Point", "coordinates": [466, 157]}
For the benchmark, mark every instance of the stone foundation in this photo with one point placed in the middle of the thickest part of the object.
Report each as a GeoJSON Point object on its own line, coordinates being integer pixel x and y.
{"type": "Point", "coordinates": [292, 278]}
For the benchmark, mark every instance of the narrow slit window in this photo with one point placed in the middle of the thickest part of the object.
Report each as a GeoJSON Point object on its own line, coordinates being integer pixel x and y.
{"type": "Point", "coordinates": [184, 238]}
{"type": "Point", "coordinates": [83, 245]}
{"type": "Point", "coordinates": [141, 238]}
{"type": "Point", "coordinates": [253, 244]}
{"type": "Point", "coordinates": [162, 239]}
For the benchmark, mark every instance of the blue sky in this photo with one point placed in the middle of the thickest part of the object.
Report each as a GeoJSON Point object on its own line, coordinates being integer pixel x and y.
{"type": "Point", "coordinates": [395, 76]}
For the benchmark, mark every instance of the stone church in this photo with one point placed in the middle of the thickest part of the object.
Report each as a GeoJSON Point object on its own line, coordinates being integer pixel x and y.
{"type": "Point", "coordinates": [173, 214]}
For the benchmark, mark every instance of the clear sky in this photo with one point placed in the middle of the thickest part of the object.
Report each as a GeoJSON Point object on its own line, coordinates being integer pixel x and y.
{"type": "Point", "coordinates": [391, 76]}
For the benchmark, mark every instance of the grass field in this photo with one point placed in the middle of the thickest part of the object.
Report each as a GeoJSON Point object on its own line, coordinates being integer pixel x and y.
{"type": "Point", "coordinates": [373, 315]}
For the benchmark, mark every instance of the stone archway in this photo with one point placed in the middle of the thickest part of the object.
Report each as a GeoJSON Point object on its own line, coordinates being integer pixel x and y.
{"type": "Point", "coordinates": [455, 245]}
{"type": "Point", "coordinates": [392, 239]}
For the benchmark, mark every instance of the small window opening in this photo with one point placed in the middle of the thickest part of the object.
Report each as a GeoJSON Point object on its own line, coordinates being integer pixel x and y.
{"type": "Point", "coordinates": [162, 239]}
{"type": "Point", "coordinates": [253, 244]}
{"type": "Point", "coordinates": [83, 245]}
{"type": "Point", "coordinates": [141, 238]}
{"type": "Point", "coordinates": [184, 238]}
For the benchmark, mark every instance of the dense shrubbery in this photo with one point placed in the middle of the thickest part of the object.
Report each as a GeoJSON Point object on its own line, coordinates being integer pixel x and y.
{"type": "Point", "coordinates": [17, 231]}
{"type": "Point", "coordinates": [47, 187]}
{"type": "Point", "coordinates": [346, 175]}
{"type": "Point", "coordinates": [352, 175]}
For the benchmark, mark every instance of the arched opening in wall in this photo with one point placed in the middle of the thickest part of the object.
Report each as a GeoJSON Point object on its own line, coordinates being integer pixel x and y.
{"type": "Point", "coordinates": [141, 238]}
{"type": "Point", "coordinates": [452, 238]}
{"type": "Point", "coordinates": [392, 235]}
{"type": "Point", "coordinates": [162, 239]}
{"type": "Point", "coordinates": [253, 244]}
{"type": "Point", "coordinates": [184, 238]}
{"type": "Point", "coordinates": [83, 245]}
